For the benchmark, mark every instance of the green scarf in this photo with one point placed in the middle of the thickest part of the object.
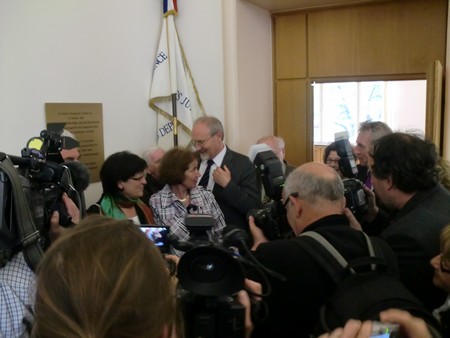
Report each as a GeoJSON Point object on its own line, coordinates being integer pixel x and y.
{"type": "Point", "coordinates": [110, 206]}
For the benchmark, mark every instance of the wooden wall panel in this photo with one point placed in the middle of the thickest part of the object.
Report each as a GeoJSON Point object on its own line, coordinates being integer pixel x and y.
{"type": "Point", "coordinates": [402, 37]}
{"type": "Point", "coordinates": [385, 40]}
{"type": "Point", "coordinates": [290, 46]}
{"type": "Point", "coordinates": [291, 122]}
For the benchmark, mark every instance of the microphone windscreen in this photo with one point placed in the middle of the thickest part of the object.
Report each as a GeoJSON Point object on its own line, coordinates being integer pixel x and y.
{"type": "Point", "coordinates": [81, 177]}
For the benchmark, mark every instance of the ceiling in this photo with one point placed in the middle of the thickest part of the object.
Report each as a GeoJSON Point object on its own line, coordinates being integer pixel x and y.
{"type": "Point", "coordinates": [287, 5]}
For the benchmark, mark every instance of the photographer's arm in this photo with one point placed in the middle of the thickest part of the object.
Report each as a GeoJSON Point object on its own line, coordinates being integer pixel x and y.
{"type": "Point", "coordinates": [257, 233]}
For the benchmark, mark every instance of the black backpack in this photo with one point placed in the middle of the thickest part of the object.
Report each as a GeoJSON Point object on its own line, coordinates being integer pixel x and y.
{"type": "Point", "coordinates": [364, 286]}
{"type": "Point", "coordinates": [17, 226]}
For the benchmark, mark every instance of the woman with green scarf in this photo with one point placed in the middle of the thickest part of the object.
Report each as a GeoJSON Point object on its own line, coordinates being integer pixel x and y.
{"type": "Point", "coordinates": [123, 180]}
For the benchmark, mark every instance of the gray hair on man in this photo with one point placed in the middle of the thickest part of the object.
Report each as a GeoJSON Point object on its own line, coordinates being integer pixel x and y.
{"type": "Point", "coordinates": [313, 188]}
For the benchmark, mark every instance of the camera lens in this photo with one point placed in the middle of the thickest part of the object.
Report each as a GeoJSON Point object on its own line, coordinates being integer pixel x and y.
{"type": "Point", "coordinates": [208, 269]}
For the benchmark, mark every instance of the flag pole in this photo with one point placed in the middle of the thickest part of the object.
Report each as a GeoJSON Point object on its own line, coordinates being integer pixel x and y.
{"type": "Point", "coordinates": [173, 95]}
{"type": "Point", "coordinates": [175, 120]}
{"type": "Point", "coordinates": [172, 41]}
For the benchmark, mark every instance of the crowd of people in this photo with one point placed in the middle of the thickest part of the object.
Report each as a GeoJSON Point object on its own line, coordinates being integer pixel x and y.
{"type": "Point", "coordinates": [103, 277]}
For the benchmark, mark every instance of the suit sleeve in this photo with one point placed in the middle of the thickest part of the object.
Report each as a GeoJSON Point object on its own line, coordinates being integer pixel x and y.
{"type": "Point", "coordinates": [242, 193]}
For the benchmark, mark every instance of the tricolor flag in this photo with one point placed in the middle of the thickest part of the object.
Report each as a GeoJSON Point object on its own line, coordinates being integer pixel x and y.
{"type": "Point", "coordinates": [172, 80]}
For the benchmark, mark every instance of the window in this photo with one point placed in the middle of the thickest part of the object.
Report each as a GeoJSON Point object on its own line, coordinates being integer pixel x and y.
{"type": "Point", "coordinates": [343, 106]}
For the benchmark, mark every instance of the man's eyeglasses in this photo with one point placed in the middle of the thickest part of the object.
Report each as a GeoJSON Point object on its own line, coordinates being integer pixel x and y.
{"type": "Point", "coordinates": [200, 143]}
{"type": "Point", "coordinates": [294, 194]}
{"type": "Point", "coordinates": [444, 265]}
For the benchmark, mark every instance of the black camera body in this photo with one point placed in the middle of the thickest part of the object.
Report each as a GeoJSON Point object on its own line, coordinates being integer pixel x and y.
{"type": "Point", "coordinates": [208, 278]}
{"type": "Point", "coordinates": [44, 180]}
{"type": "Point", "coordinates": [355, 197]}
{"type": "Point", "coordinates": [347, 163]}
{"type": "Point", "coordinates": [272, 219]}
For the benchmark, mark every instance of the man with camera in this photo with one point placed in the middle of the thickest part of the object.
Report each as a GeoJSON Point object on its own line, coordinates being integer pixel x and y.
{"type": "Point", "coordinates": [314, 201]}
{"type": "Point", "coordinates": [405, 180]}
{"type": "Point", "coordinates": [18, 281]}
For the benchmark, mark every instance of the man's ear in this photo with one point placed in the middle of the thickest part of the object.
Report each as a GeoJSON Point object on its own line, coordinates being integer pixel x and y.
{"type": "Point", "coordinates": [298, 205]}
{"type": "Point", "coordinates": [389, 183]}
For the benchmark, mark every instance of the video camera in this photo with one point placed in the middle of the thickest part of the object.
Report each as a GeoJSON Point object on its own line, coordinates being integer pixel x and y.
{"type": "Point", "coordinates": [271, 218]}
{"type": "Point", "coordinates": [209, 276]}
{"type": "Point", "coordinates": [353, 188]}
{"type": "Point", "coordinates": [44, 179]}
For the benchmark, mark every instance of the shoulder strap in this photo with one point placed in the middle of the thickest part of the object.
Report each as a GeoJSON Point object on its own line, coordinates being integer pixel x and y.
{"type": "Point", "coordinates": [29, 235]}
{"type": "Point", "coordinates": [315, 250]}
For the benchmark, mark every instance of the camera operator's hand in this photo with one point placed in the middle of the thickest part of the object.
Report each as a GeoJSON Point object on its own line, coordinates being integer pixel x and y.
{"type": "Point", "coordinates": [257, 233]}
{"type": "Point", "coordinates": [222, 176]}
{"type": "Point", "coordinates": [172, 263]}
{"type": "Point", "coordinates": [56, 229]}
{"type": "Point", "coordinates": [72, 208]}
{"type": "Point", "coordinates": [372, 208]}
{"type": "Point", "coordinates": [352, 329]}
{"type": "Point", "coordinates": [352, 219]}
{"type": "Point", "coordinates": [413, 327]}
{"type": "Point", "coordinates": [244, 298]}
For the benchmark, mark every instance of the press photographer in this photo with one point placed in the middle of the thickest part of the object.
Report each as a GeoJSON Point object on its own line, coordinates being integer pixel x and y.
{"type": "Point", "coordinates": [314, 201]}
{"type": "Point", "coordinates": [37, 200]}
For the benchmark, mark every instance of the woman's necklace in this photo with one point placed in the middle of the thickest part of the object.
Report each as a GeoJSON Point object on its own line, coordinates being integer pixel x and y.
{"type": "Point", "coordinates": [184, 199]}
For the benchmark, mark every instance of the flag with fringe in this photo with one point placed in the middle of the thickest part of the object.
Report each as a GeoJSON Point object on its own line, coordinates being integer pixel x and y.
{"type": "Point", "coordinates": [173, 83]}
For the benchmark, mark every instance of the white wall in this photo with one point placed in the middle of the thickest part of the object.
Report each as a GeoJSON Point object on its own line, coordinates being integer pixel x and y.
{"type": "Point", "coordinates": [255, 73]}
{"type": "Point", "coordinates": [103, 51]}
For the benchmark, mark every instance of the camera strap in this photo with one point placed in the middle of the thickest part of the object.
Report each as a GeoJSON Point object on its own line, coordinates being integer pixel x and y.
{"type": "Point", "coordinates": [29, 235]}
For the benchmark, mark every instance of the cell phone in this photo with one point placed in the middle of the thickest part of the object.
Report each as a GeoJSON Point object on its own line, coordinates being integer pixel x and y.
{"type": "Point", "coordinates": [158, 235]}
{"type": "Point", "coordinates": [384, 330]}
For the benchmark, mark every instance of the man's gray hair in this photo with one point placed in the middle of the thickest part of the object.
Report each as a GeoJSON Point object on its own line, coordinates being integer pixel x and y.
{"type": "Point", "coordinates": [147, 153]}
{"type": "Point", "coordinates": [377, 128]}
{"type": "Point", "coordinates": [312, 187]}
{"type": "Point", "coordinates": [213, 123]}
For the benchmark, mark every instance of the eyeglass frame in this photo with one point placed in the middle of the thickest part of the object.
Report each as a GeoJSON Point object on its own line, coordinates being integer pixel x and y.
{"type": "Point", "coordinates": [202, 142]}
{"type": "Point", "coordinates": [293, 194]}
{"type": "Point", "coordinates": [330, 161]}
{"type": "Point", "coordinates": [441, 264]}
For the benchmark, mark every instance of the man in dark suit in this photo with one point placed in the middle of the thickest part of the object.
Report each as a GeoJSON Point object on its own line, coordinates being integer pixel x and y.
{"type": "Point", "coordinates": [230, 175]}
{"type": "Point", "coordinates": [404, 177]}
{"type": "Point", "coordinates": [314, 201]}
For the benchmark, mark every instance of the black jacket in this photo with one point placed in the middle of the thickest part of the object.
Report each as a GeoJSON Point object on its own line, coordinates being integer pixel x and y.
{"type": "Point", "coordinates": [242, 193]}
{"type": "Point", "coordinates": [413, 233]}
{"type": "Point", "coordinates": [293, 306]}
